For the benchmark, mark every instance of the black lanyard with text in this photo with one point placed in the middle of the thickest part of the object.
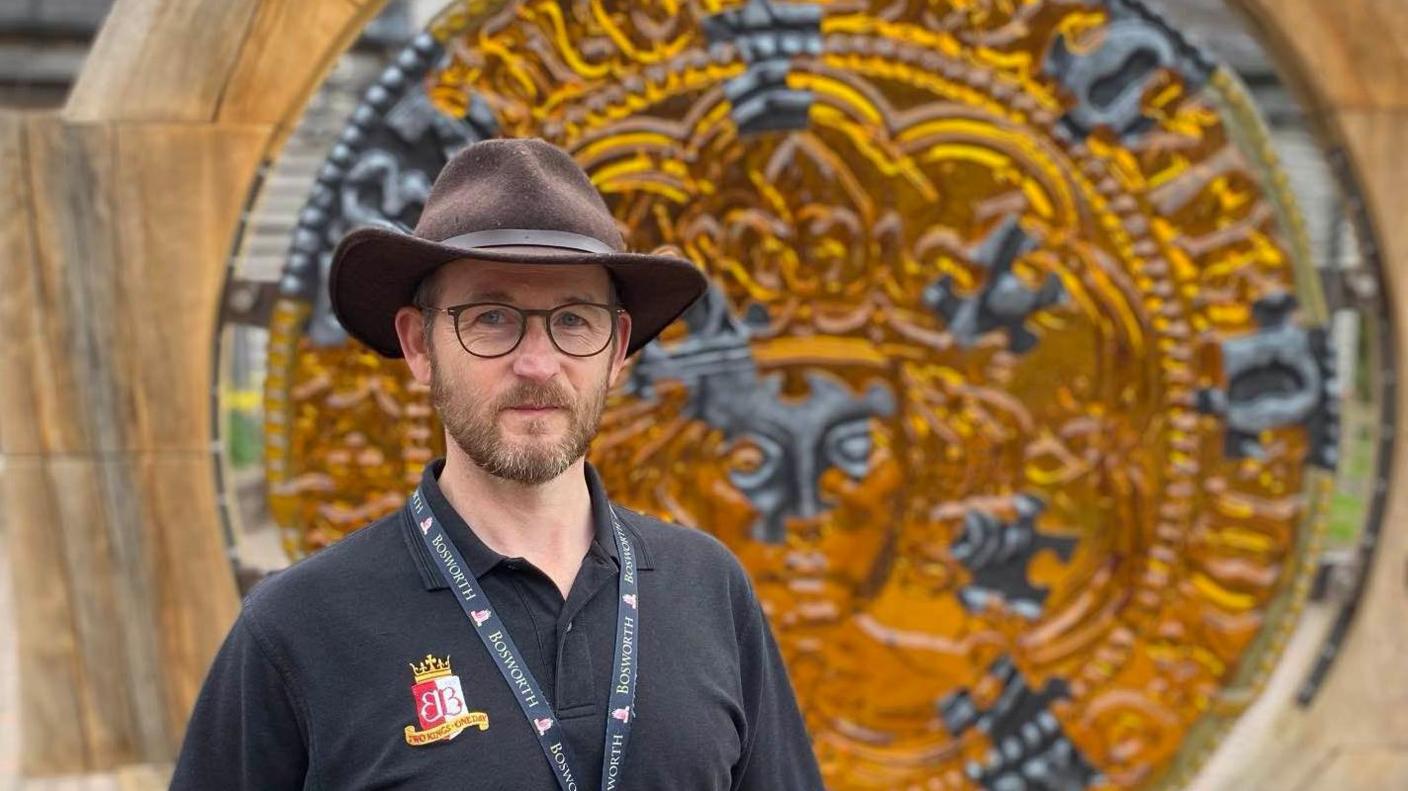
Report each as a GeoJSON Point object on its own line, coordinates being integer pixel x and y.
{"type": "Point", "coordinates": [496, 639]}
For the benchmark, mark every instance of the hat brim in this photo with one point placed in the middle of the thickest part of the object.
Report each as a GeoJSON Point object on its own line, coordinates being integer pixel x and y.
{"type": "Point", "coordinates": [375, 272]}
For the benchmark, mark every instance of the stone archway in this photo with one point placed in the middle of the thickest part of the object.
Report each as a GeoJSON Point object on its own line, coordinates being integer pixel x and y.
{"type": "Point", "coordinates": [1350, 65]}
{"type": "Point", "coordinates": [122, 210]}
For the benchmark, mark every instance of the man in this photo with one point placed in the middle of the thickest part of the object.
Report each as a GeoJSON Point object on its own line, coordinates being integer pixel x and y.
{"type": "Point", "coordinates": [510, 628]}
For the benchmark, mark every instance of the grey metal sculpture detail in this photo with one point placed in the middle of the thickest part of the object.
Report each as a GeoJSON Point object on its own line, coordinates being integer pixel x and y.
{"type": "Point", "coordinates": [1108, 82]}
{"type": "Point", "coordinates": [1005, 301]}
{"type": "Point", "coordinates": [1030, 750]}
{"type": "Point", "coordinates": [767, 37]}
{"type": "Point", "coordinates": [1282, 375]}
{"type": "Point", "coordinates": [798, 439]}
{"type": "Point", "coordinates": [998, 554]}
{"type": "Point", "coordinates": [799, 442]}
{"type": "Point", "coordinates": [378, 173]}
{"type": "Point", "coordinates": [715, 348]}
{"type": "Point", "coordinates": [376, 176]}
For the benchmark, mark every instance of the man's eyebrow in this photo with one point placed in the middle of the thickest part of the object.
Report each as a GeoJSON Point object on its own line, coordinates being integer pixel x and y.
{"type": "Point", "coordinates": [503, 296]}
{"type": "Point", "coordinates": [488, 296]}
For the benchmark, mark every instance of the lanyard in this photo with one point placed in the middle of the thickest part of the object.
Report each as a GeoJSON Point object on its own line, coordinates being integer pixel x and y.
{"type": "Point", "coordinates": [496, 639]}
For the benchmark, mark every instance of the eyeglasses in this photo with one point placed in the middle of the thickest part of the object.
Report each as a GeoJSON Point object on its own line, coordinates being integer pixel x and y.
{"type": "Point", "coordinates": [494, 329]}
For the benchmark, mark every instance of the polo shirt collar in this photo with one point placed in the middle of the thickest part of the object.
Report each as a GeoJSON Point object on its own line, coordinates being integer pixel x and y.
{"type": "Point", "coordinates": [477, 555]}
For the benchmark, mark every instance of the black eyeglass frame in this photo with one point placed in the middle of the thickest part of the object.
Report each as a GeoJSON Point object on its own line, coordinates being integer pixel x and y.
{"type": "Point", "coordinates": [454, 311]}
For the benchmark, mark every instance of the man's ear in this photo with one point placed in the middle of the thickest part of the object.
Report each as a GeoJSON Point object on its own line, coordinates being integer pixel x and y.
{"type": "Point", "coordinates": [415, 347]}
{"type": "Point", "coordinates": [623, 341]}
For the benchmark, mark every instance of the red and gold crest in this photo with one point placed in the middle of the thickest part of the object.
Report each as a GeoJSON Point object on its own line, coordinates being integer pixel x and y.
{"type": "Point", "coordinates": [440, 705]}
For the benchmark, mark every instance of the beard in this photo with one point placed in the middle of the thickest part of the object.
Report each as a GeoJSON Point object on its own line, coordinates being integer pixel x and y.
{"type": "Point", "coordinates": [474, 426]}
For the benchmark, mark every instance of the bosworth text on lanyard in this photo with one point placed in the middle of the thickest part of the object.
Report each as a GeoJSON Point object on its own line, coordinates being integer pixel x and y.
{"type": "Point", "coordinates": [499, 644]}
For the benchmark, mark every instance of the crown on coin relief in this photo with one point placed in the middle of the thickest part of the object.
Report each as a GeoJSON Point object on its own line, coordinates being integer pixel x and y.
{"type": "Point", "coordinates": [432, 667]}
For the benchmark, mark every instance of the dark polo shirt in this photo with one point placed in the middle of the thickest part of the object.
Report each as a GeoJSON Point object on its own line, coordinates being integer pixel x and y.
{"type": "Point", "coordinates": [312, 688]}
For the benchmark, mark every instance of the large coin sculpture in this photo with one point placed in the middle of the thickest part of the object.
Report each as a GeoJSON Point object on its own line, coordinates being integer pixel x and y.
{"type": "Point", "coordinates": [1009, 392]}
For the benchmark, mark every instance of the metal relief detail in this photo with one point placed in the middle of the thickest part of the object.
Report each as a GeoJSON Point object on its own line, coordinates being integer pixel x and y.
{"type": "Point", "coordinates": [1000, 392]}
{"type": "Point", "coordinates": [346, 432]}
{"type": "Point", "coordinates": [1110, 79]}
{"type": "Point", "coordinates": [1280, 375]}
{"type": "Point", "coordinates": [767, 35]}
{"type": "Point", "coordinates": [1030, 752]}
{"type": "Point", "coordinates": [789, 442]}
{"type": "Point", "coordinates": [997, 555]}
{"type": "Point", "coordinates": [1005, 301]}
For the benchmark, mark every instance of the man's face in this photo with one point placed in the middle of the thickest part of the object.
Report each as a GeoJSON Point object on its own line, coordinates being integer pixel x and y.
{"type": "Point", "coordinates": [529, 415]}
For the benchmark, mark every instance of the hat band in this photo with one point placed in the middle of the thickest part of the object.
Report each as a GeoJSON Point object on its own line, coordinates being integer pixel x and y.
{"type": "Point", "coordinates": [535, 237]}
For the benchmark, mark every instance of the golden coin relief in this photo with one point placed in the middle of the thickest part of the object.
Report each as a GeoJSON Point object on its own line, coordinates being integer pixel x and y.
{"type": "Point", "coordinates": [1009, 392]}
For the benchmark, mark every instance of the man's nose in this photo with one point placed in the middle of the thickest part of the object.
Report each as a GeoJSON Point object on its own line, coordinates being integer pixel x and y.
{"type": "Point", "coordinates": [536, 357]}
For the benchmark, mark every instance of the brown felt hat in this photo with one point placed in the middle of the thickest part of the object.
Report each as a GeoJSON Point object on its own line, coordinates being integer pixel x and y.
{"type": "Point", "coordinates": [511, 200]}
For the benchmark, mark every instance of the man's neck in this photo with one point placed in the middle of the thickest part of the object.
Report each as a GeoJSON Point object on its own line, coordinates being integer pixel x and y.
{"type": "Point", "coordinates": [549, 525]}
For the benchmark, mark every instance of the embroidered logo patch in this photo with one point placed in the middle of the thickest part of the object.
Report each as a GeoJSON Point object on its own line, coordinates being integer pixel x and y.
{"type": "Point", "coordinates": [543, 724]}
{"type": "Point", "coordinates": [440, 705]}
{"type": "Point", "coordinates": [479, 616]}
{"type": "Point", "coordinates": [623, 714]}
{"type": "Point", "coordinates": [629, 598]}
{"type": "Point", "coordinates": [425, 525]}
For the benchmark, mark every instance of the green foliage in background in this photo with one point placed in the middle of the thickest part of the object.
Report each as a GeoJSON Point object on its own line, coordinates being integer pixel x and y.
{"type": "Point", "coordinates": [243, 439]}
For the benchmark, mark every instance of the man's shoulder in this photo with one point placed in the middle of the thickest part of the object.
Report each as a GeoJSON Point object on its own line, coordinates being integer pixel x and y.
{"type": "Point", "coordinates": [674, 547]}
{"type": "Point", "coordinates": [697, 573]}
{"type": "Point", "coordinates": [367, 559]}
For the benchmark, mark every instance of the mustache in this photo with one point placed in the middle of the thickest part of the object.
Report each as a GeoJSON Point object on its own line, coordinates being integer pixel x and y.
{"type": "Point", "coordinates": [534, 395]}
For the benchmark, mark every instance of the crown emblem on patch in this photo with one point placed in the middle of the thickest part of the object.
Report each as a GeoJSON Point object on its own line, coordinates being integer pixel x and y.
{"type": "Point", "coordinates": [432, 667]}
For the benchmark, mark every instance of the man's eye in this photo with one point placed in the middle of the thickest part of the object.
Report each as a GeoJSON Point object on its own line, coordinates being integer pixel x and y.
{"type": "Point", "coordinates": [571, 320]}
{"type": "Point", "coordinates": [490, 317]}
